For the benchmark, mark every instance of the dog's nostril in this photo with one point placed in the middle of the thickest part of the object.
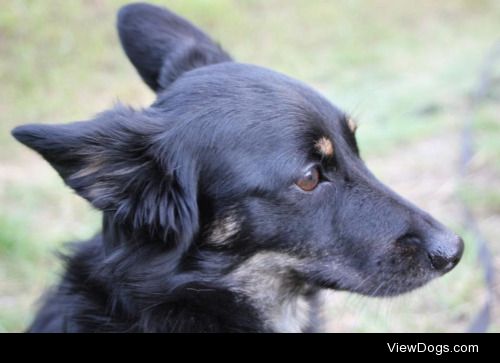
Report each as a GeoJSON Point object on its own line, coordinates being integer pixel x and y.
{"type": "Point", "coordinates": [447, 258]}
{"type": "Point", "coordinates": [439, 262]}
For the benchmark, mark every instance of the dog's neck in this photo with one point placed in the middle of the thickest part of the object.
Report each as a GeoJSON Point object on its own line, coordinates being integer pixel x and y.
{"type": "Point", "coordinates": [265, 281]}
{"type": "Point", "coordinates": [268, 283]}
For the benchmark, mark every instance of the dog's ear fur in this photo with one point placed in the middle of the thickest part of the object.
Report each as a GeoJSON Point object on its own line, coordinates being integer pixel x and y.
{"type": "Point", "coordinates": [120, 164]}
{"type": "Point", "coordinates": [162, 45]}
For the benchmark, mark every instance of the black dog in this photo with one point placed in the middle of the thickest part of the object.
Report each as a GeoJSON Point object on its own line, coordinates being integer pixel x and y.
{"type": "Point", "coordinates": [228, 204]}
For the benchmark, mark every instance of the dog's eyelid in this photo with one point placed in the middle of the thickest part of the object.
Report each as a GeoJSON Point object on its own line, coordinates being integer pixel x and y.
{"type": "Point", "coordinates": [327, 165]}
{"type": "Point", "coordinates": [323, 171]}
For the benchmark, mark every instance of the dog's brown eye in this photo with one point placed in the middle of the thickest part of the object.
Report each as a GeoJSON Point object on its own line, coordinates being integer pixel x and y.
{"type": "Point", "coordinates": [309, 180]}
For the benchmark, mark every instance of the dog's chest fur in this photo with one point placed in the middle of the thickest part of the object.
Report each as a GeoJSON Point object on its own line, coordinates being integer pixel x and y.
{"type": "Point", "coordinates": [266, 281]}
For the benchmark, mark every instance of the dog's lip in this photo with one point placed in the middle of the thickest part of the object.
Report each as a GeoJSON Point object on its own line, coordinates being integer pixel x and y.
{"type": "Point", "coordinates": [323, 282]}
{"type": "Point", "coordinates": [313, 281]}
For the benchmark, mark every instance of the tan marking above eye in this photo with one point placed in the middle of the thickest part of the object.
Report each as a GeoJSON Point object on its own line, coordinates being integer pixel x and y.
{"type": "Point", "coordinates": [324, 146]}
{"type": "Point", "coordinates": [353, 126]}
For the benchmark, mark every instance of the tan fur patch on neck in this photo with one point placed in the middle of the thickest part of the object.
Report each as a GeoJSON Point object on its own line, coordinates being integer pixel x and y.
{"type": "Point", "coordinates": [324, 146]}
{"type": "Point", "coordinates": [268, 281]}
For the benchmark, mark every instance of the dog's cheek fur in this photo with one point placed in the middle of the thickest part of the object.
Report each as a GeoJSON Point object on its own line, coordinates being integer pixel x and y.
{"type": "Point", "coordinates": [335, 228]}
{"type": "Point", "coordinates": [358, 251]}
{"type": "Point", "coordinates": [223, 230]}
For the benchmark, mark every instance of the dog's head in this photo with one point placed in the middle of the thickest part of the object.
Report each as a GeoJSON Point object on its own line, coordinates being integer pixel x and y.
{"type": "Point", "coordinates": [242, 161]}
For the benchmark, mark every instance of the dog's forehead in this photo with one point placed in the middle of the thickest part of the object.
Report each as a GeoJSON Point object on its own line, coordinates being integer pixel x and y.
{"type": "Point", "coordinates": [253, 123]}
{"type": "Point", "coordinates": [239, 101]}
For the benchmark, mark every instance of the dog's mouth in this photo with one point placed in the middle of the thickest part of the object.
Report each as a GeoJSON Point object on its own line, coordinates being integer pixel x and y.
{"type": "Point", "coordinates": [410, 263]}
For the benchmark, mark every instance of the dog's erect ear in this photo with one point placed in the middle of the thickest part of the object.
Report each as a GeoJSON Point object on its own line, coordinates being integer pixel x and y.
{"type": "Point", "coordinates": [162, 45]}
{"type": "Point", "coordinates": [119, 162]}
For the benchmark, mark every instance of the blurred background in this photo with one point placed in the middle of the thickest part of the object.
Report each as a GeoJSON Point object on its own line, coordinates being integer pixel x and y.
{"type": "Point", "coordinates": [407, 70]}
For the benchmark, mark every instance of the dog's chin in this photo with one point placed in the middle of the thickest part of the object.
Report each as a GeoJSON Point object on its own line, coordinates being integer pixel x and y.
{"type": "Point", "coordinates": [373, 286]}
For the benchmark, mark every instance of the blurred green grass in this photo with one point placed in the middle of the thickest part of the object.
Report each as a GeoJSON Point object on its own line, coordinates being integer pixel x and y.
{"type": "Point", "coordinates": [402, 68]}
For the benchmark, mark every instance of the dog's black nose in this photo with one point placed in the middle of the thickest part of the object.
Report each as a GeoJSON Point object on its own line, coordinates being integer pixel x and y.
{"type": "Point", "coordinates": [446, 252]}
